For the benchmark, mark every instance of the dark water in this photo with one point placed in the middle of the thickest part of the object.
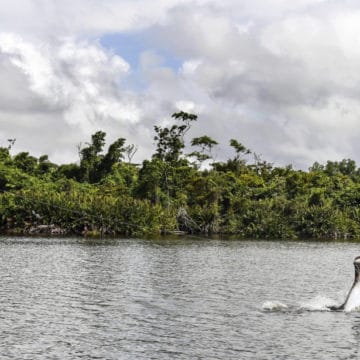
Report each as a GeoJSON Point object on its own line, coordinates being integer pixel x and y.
{"type": "Point", "coordinates": [175, 299]}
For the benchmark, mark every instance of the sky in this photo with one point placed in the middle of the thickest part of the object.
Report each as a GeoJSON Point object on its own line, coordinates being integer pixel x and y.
{"type": "Point", "coordinates": [282, 77]}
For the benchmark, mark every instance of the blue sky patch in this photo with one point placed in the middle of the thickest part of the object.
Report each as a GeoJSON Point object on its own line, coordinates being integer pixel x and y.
{"type": "Point", "coordinates": [130, 46]}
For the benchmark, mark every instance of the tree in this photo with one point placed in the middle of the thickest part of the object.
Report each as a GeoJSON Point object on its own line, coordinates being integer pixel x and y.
{"type": "Point", "coordinates": [185, 117]}
{"type": "Point", "coordinates": [237, 164]}
{"type": "Point", "coordinates": [130, 151]}
{"type": "Point", "coordinates": [240, 149]}
{"type": "Point", "coordinates": [150, 180]}
{"type": "Point", "coordinates": [5, 155]}
{"type": "Point", "coordinates": [25, 162]}
{"type": "Point", "coordinates": [345, 167]}
{"type": "Point", "coordinates": [170, 141]}
{"type": "Point", "coordinates": [94, 165]}
{"type": "Point", "coordinates": [90, 155]}
{"type": "Point", "coordinates": [205, 145]}
{"type": "Point", "coordinates": [45, 166]}
{"type": "Point", "coordinates": [70, 171]}
{"type": "Point", "coordinates": [11, 143]}
{"type": "Point", "coordinates": [316, 167]}
{"type": "Point", "coordinates": [114, 155]}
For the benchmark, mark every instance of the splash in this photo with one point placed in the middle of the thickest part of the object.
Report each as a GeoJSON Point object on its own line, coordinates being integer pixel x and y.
{"type": "Point", "coordinates": [274, 306]}
{"type": "Point", "coordinates": [319, 303]}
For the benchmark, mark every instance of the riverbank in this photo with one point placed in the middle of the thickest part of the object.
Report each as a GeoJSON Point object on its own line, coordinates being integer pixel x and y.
{"type": "Point", "coordinates": [175, 192]}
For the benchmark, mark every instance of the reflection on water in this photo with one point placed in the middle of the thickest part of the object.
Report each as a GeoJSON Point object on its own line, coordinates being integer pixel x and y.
{"type": "Point", "coordinates": [174, 299]}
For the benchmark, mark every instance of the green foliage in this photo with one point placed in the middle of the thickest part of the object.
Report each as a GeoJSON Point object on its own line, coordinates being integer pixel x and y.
{"type": "Point", "coordinates": [70, 171]}
{"type": "Point", "coordinates": [104, 194]}
{"type": "Point", "coordinates": [170, 140]}
{"type": "Point", "coordinates": [94, 165]}
{"type": "Point", "coordinates": [239, 148]}
{"type": "Point", "coordinates": [205, 145]}
{"type": "Point", "coordinates": [25, 162]}
{"type": "Point", "coordinates": [5, 155]}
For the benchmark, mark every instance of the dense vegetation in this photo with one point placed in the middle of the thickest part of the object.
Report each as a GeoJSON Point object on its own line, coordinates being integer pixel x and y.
{"type": "Point", "coordinates": [172, 191]}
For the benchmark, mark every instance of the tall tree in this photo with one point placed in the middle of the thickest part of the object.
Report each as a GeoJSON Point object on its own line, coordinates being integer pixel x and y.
{"type": "Point", "coordinates": [205, 144]}
{"type": "Point", "coordinates": [90, 156]}
{"type": "Point", "coordinates": [114, 155]}
{"type": "Point", "coordinates": [170, 141]}
{"type": "Point", "coordinates": [130, 151]}
{"type": "Point", "coordinates": [94, 165]}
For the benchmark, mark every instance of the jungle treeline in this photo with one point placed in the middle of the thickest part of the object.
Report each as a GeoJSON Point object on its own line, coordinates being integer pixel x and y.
{"type": "Point", "coordinates": [177, 191]}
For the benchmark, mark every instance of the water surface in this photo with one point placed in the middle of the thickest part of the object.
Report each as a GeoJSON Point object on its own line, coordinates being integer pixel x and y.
{"type": "Point", "coordinates": [175, 299]}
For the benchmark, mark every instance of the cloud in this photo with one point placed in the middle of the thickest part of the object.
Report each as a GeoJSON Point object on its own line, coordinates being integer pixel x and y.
{"type": "Point", "coordinates": [284, 82]}
{"type": "Point", "coordinates": [81, 17]}
{"type": "Point", "coordinates": [69, 84]}
{"type": "Point", "coordinates": [280, 76]}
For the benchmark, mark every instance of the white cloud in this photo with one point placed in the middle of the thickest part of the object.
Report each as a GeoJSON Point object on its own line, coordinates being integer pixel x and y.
{"type": "Point", "coordinates": [281, 76]}
{"type": "Point", "coordinates": [74, 82]}
{"type": "Point", "coordinates": [82, 17]}
{"type": "Point", "coordinates": [185, 105]}
{"type": "Point", "coordinates": [288, 74]}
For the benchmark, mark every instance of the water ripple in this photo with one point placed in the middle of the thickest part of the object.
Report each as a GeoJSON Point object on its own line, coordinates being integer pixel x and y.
{"type": "Point", "coordinates": [138, 299]}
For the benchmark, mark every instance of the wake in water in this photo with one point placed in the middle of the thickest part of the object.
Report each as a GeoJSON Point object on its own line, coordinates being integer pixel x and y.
{"type": "Point", "coordinates": [319, 303]}
{"type": "Point", "coordinates": [274, 306]}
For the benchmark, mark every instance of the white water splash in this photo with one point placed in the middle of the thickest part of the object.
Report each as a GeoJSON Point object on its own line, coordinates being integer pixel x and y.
{"type": "Point", "coordinates": [274, 306]}
{"type": "Point", "coordinates": [319, 303]}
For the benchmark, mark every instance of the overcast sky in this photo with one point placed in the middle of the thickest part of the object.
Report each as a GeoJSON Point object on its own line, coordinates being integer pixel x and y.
{"type": "Point", "coordinates": [280, 76]}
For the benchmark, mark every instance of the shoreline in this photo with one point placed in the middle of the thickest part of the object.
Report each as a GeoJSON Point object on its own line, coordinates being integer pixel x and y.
{"type": "Point", "coordinates": [54, 231]}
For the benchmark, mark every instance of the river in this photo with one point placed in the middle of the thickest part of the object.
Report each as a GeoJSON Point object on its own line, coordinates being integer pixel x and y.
{"type": "Point", "coordinates": [181, 298]}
